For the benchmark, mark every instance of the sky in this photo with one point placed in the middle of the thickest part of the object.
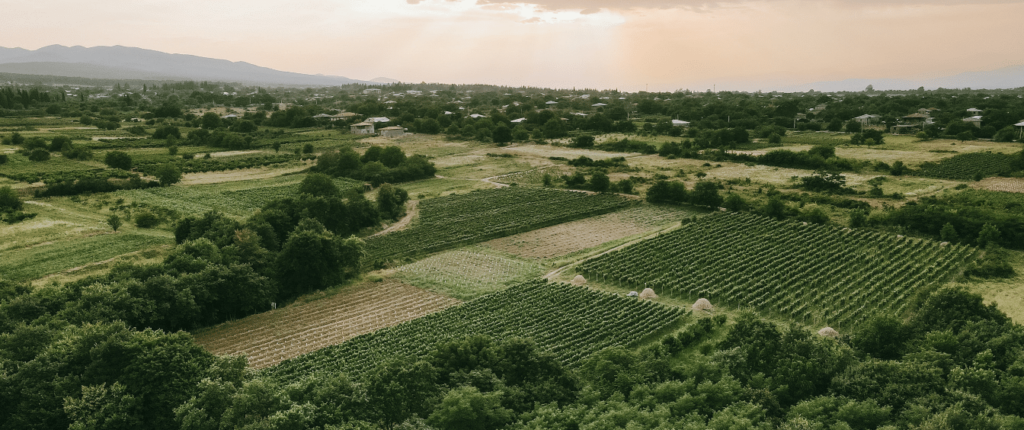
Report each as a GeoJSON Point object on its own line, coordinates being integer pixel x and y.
{"type": "Point", "coordinates": [661, 45]}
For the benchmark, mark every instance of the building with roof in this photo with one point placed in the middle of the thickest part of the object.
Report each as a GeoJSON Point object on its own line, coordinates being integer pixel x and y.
{"type": "Point", "coordinates": [866, 119]}
{"type": "Point", "coordinates": [974, 120]}
{"type": "Point", "coordinates": [974, 112]}
{"type": "Point", "coordinates": [391, 132]}
{"type": "Point", "coordinates": [372, 91]}
{"type": "Point", "coordinates": [378, 119]}
{"type": "Point", "coordinates": [362, 128]}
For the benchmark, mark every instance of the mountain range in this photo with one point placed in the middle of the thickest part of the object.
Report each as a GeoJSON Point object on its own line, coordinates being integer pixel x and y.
{"type": "Point", "coordinates": [121, 62]}
{"type": "Point", "coordinates": [1004, 78]}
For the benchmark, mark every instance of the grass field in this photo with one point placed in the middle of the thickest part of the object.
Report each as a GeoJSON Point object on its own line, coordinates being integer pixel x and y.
{"type": "Point", "coordinates": [468, 273]}
{"type": "Point", "coordinates": [562, 239]}
{"type": "Point", "coordinates": [270, 337]}
{"type": "Point", "coordinates": [46, 258]}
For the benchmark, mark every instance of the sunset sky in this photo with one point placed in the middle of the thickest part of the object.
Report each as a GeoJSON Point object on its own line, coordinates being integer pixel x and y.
{"type": "Point", "coordinates": [629, 45]}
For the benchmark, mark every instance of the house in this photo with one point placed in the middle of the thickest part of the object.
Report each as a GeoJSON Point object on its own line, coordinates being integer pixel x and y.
{"type": "Point", "coordinates": [551, 103]}
{"type": "Point", "coordinates": [975, 120]}
{"type": "Point", "coordinates": [866, 119]}
{"type": "Point", "coordinates": [917, 118]}
{"type": "Point", "coordinates": [1020, 129]}
{"type": "Point", "coordinates": [974, 112]}
{"type": "Point", "coordinates": [378, 119]}
{"type": "Point", "coordinates": [598, 105]}
{"type": "Point", "coordinates": [391, 132]}
{"type": "Point", "coordinates": [229, 116]}
{"type": "Point", "coordinates": [477, 116]}
{"type": "Point", "coordinates": [343, 116]}
{"type": "Point", "coordinates": [518, 120]}
{"type": "Point", "coordinates": [680, 123]}
{"type": "Point", "coordinates": [322, 116]}
{"type": "Point", "coordinates": [362, 128]}
{"type": "Point", "coordinates": [372, 91]}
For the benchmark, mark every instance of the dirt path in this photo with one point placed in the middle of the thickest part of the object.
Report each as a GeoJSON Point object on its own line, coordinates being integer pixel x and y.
{"type": "Point", "coordinates": [410, 213]}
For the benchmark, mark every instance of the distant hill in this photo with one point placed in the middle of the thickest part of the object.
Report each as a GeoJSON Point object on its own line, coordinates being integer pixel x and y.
{"type": "Point", "coordinates": [383, 80]}
{"type": "Point", "coordinates": [1007, 77]}
{"type": "Point", "coordinates": [120, 62]}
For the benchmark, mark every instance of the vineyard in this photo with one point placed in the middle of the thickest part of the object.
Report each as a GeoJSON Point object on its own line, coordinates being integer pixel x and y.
{"type": "Point", "coordinates": [468, 273]}
{"type": "Point", "coordinates": [480, 215]}
{"type": "Point", "coordinates": [967, 166]}
{"type": "Point", "coordinates": [570, 322]}
{"type": "Point", "coordinates": [46, 258]}
{"type": "Point", "coordinates": [562, 239]}
{"type": "Point", "coordinates": [803, 271]}
{"type": "Point", "coordinates": [270, 337]}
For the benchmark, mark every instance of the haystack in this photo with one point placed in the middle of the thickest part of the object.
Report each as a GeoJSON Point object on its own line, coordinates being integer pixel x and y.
{"type": "Point", "coordinates": [944, 244]}
{"type": "Point", "coordinates": [703, 305]}
{"type": "Point", "coordinates": [632, 294]}
{"type": "Point", "coordinates": [828, 332]}
{"type": "Point", "coordinates": [648, 294]}
{"type": "Point", "coordinates": [578, 281]}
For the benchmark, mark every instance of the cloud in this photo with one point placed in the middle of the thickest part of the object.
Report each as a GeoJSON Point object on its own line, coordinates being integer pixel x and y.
{"type": "Point", "coordinates": [590, 11]}
{"type": "Point", "coordinates": [592, 6]}
{"type": "Point", "coordinates": [531, 20]}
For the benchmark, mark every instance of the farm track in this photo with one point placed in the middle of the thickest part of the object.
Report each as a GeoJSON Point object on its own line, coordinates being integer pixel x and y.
{"type": "Point", "coordinates": [271, 337]}
{"type": "Point", "coordinates": [410, 209]}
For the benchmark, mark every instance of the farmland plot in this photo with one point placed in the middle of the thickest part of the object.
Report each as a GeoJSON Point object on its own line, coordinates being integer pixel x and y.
{"type": "Point", "coordinates": [806, 272]}
{"type": "Point", "coordinates": [562, 239]}
{"type": "Point", "coordinates": [453, 220]}
{"type": "Point", "coordinates": [44, 259]}
{"type": "Point", "coordinates": [270, 337]}
{"type": "Point", "coordinates": [967, 166]}
{"type": "Point", "coordinates": [468, 273]}
{"type": "Point", "coordinates": [570, 322]}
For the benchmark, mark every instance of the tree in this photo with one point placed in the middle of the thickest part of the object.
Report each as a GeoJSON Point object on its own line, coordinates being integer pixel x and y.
{"type": "Point", "coordinates": [392, 156]}
{"type": "Point", "coordinates": [167, 131]}
{"type": "Point", "coordinates": [9, 200]}
{"type": "Point", "coordinates": [965, 136]}
{"type": "Point", "coordinates": [583, 141]}
{"type": "Point", "coordinates": [118, 160]}
{"type": "Point", "coordinates": [625, 186]}
{"type": "Point", "coordinates": [466, 408]}
{"type": "Point", "coordinates": [989, 235]}
{"type": "Point", "coordinates": [58, 143]}
{"type": "Point", "coordinates": [554, 128]}
{"type": "Point", "coordinates": [276, 146]}
{"type": "Point", "coordinates": [391, 201]}
{"type": "Point", "coordinates": [705, 193]}
{"type": "Point", "coordinates": [858, 218]}
{"type": "Point", "coordinates": [735, 203]}
{"type": "Point", "coordinates": [146, 219]}
{"type": "Point", "coordinates": [775, 208]}
{"type": "Point", "coordinates": [102, 407]}
{"type": "Point", "coordinates": [399, 389]}
{"type": "Point", "coordinates": [853, 126]}
{"type": "Point", "coordinates": [667, 192]}
{"type": "Point", "coordinates": [210, 120]}
{"type": "Point", "coordinates": [168, 174]}
{"type": "Point", "coordinates": [948, 233]}
{"type": "Point", "coordinates": [313, 258]}
{"type": "Point", "coordinates": [114, 222]}
{"type": "Point", "coordinates": [898, 169]}
{"type": "Point", "coordinates": [501, 134]}
{"type": "Point", "coordinates": [319, 184]}
{"type": "Point", "coordinates": [599, 182]}
{"type": "Point", "coordinates": [39, 155]}
{"type": "Point", "coordinates": [835, 125]}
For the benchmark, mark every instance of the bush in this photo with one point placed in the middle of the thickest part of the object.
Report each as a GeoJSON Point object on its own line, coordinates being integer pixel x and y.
{"type": "Point", "coordinates": [118, 160]}
{"type": "Point", "coordinates": [146, 219]}
{"type": "Point", "coordinates": [39, 155]}
{"type": "Point", "coordinates": [9, 200]}
{"type": "Point", "coordinates": [166, 131]}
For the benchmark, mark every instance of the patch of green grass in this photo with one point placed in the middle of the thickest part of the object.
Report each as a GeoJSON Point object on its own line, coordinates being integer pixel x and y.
{"type": "Point", "coordinates": [41, 260]}
{"type": "Point", "coordinates": [469, 272]}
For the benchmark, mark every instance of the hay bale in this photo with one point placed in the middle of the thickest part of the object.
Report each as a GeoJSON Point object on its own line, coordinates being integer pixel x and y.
{"type": "Point", "coordinates": [944, 244]}
{"type": "Point", "coordinates": [899, 236]}
{"type": "Point", "coordinates": [578, 281]}
{"type": "Point", "coordinates": [632, 294]}
{"type": "Point", "coordinates": [703, 305]}
{"type": "Point", "coordinates": [828, 332]}
{"type": "Point", "coordinates": [648, 294]}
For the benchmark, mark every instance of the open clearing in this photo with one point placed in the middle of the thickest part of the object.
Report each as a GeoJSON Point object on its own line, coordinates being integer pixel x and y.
{"type": "Point", "coordinates": [468, 273]}
{"type": "Point", "coordinates": [270, 337]}
{"type": "Point", "coordinates": [1010, 185]}
{"type": "Point", "coordinates": [47, 258]}
{"type": "Point", "coordinates": [562, 239]}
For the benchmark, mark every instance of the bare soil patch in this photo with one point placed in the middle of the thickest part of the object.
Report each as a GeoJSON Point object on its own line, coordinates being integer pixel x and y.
{"type": "Point", "coordinates": [562, 239]}
{"type": "Point", "coordinates": [240, 174]}
{"type": "Point", "coordinates": [274, 336]}
{"type": "Point", "coordinates": [1010, 185]}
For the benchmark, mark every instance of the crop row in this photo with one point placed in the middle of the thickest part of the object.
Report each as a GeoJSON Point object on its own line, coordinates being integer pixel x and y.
{"type": "Point", "coordinates": [968, 166]}
{"type": "Point", "coordinates": [803, 271]}
{"type": "Point", "coordinates": [480, 215]}
{"type": "Point", "coordinates": [570, 322]}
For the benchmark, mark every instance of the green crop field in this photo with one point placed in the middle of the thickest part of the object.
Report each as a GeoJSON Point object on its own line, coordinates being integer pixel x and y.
{"type": "Point", "coordinates": [239, 198]}
{"type": "Point", "coordinates": [453, 220]}
{"type": "Point", "coordinates": [468, 273]}
{"type": "Point", "coordinates": [570, 322]}
{"type": "Point", "coordinates": [44, 259]}
{"type": "Point", "coordinates": [968, 166]}
{"type": "Point", "coordinates": [806, 272]}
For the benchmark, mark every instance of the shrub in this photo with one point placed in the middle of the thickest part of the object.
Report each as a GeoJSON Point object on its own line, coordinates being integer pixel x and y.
{"type": "Point", "coordinates": [118, 160]}
{"type": "Point", "coordinates": [146, 219]}
{"type": "Point", "coordinates": [9, 200]}
{"type": "Point", "coordinates": [39, 155]}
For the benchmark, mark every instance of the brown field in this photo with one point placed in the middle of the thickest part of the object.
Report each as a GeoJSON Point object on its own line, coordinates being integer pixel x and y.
{"type": "Point", "coordinates": [562, 239]}
{"type": "Point", "coordinates": [1010, 185]}
{"type": "Point", "coordinates": [271, 337]}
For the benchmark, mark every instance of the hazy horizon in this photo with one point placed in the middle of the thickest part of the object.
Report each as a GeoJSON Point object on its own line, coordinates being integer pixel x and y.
{"type": "Point", "coordinates": [660, 45]}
